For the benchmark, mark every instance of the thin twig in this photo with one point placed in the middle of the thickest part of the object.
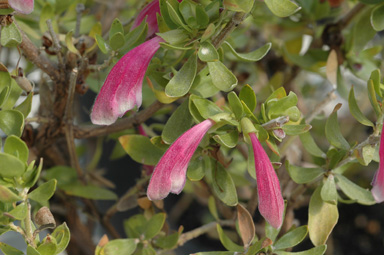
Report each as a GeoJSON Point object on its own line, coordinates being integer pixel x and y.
{"type": "Point", "coordinates": [344, 21]}
{"type": "Point", "coordinates": [79, 13]}
{"type": "Point", "coordinates": [32, 53]}
{"type": "Point", "coordinates": [202, 230]}
{"type": "Point", "coordinates": [320, 106]}
{"type": "Point", "coordinates": [68, 120]}
{"type": "Point", "coordinates": [56, 43]}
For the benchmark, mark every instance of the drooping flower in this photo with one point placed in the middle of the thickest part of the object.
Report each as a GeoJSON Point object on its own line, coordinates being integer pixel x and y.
{"type": "Point", "coordinates": [22, 6]}
{"type": "Point", "coordinates": [378, 180]}
{"type": "Point", "coordinates": [122, 88]}
{"type": "Point", "coordinates": [271, 203]}
{"type": "Point", "coordinates": [170, 173]}
{"type": "Point", "coordinates": [148, 12]}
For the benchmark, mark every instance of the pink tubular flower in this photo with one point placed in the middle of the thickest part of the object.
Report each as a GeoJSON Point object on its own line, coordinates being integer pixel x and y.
{"type": "Point", "coordinates": [170, 173]}
{"type": "Point", "coordinates": [22, 6]}
{"type": "Point", "coordinates": [122, 88]}
{"type": "Point", "coordinates": [149, 12]}
{"type": "Point", "coordinates": [271, 203]}
{"type": "Point", "coordinates": [378, 180]}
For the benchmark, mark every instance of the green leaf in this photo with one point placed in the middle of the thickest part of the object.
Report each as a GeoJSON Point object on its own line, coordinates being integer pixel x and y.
{"type": "Point", "coordinates": [174, 37]}
{"type": "Point", "coordinates": [180, 84]}
{"type": "Point", "coordinates": [214, 253]}
{"type": "Point", "coordinates": [4, 93]}
{"type": "Point", "coordinates": [154, 225]}
{"type": "Point", "coordinates": [310, 145]}
{"type": "Point", "coordinates": [322, 218]}
{"type": "Point", "coordinates": [277, 107]}
{"type": "Point", "coordinates": [117, 41]}
{"type": "Point", "coordinates": [209, 31]}
{"type": "Point", "coordinates": [68, 40]}
{"type": "Point", "coordinates": [44, 192]}
{"type": "Point", "coordinates": [319, 250]}
{"type": "Point", "coordinates": [10, 36]}
{"type": "Point", "coordinates": [362, 30]}
{"type": "Point", "coordinates": [207, 52]}
{"type": "Point", "coordinates": [134, 227]}
{"type": "Point", "coordinates": [26, 106]}
{"type": "Point", "coordinates": [9, 250]}
{"type": "Point", "coordinates": [227, 242]}
{"type": "Point", "coordinates": [14, 95]}
{"type": "Point", "coordinates": [103, 46]}
{"type": "Point", "coordinates": [12, 122]}
{"type": "Point", "coordinates": [16, 147]}
{"type": "Point", "coordinates": [252, 56]}
{"type": "Point", "coordinates": [175, 16]}
{"type": "Point", "coordinates": [201, 17]}
{"type": "Point", "coordinates": [48, 246]}
{"type": "Point", "coordinates": [302, 175]}
{"type": "Point", "coordinates": [332, 131]}
{"type": "Point", "coordinates": [32, 251]}
{"type": "Point", "coordinates": [119, 246]}
{"type": "Point", "coordinates": [135, 37]}
{"type": "Point", "coordinates": [296, 129]}
{"type": "Point", "coordinates": [205, 107]}
{"type": "Point", "coordinates": [187, 9]}
{"type": "Point", "coordinates": [179, 122]}
{"type": "Point", "coordinates": [258, 246]}
{"type": "Point", "coordinates": [248, 96]}
{"type": "Point", "coordinates": [11, 166]}
{"type": "Point", "coordinates": [292, 238]}
{"type": "Point", "coordinates": [92, 192]}
{"type": "Point", "coordinates": [223, 185]}
{"type": "Point", "coordinates": [376, 79]}
{"type": "Point", "coordinates": [377, 18]}
{"type": "Point", "coordinates": [8, 196]}
{"type": "Point", "coordinates": [372, 97]}
{"type": "Point", "coordinates": [196, 169]}
{"type": "Point", "coordinates": [32, 174]}
{"type": "Point", "coordinates": [212, 207]}
{"type": "Point", "coordinates": [167, 242]}
{"type": "Point", "coordinates": [173, 47]}
{"type": "Point", "coordinates": [328, 191]}
{"type": "Point", "coordinates": [20, 212]}
{"type": "Point", "coordinates": [221, 77]}
{"type": "Point", "coordinates": [165, 14]}
{"type": "Point", "coordinates": [238, 5]}
{"type": "Point", "coordinates": [236, 105]}
{"type": "Point", "coordinates": [354, 192]}
{"type": "Point", "coordinates": [282, 8]}
{"type": "Point", "coordinates": [62, 236]}
{"type": "Point", "coordinates": [116, 27]}
{"type": "Point", "coordinates": [47, 12]}
{"type": "Point", "coordinates": [355, 110]}
{"type": "Point", "coordinates": [138, 146]}
{"type": "Point", "coordinates": [365, 155]}
{"type": "Point", "coordinates": [229, 139]}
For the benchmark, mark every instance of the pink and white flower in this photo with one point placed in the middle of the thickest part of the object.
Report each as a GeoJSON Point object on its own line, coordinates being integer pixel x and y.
{"type": "Point", "coordinates": [149, 13]}
{"type": "Point", "coordinates": [22, 6]}
{"type": "Point", "coordinates": [121, 91]}
{"type": "Point", "coordinates": [378, 180]}
{"type": "Point", "coordinates": [170, 173]}
{"type": "Point", "coordinates": [271, 203]}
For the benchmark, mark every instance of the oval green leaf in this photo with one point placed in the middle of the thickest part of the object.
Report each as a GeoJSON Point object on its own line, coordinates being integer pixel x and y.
{"type": "Point", "coordinates": [355, 110]}
{"type": "Point", "coordinates": [15, 146]}
{"type": "Point", "coordinates": [12, 122]}
{"type": "Point", "coordinates": [11, 166]}
{"type": "Point", "coordinates": [180, 84]}
{"type": "Point", "coordinates": [252, 56]}
{"type": "Point", "coordinates": [333, 133]}
{"type": "Point", "coordinates": [282, 8]}
{"type": "Point", "coordinates": [221, 76]}
{"type": "Point", "coordinates": [322, 218]}
{"type": "Point", "coordinates": [354, 192]}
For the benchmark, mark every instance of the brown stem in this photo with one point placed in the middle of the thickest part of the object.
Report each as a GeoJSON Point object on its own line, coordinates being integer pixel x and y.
{"type": "Point", "coordinates": [32, 53]}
